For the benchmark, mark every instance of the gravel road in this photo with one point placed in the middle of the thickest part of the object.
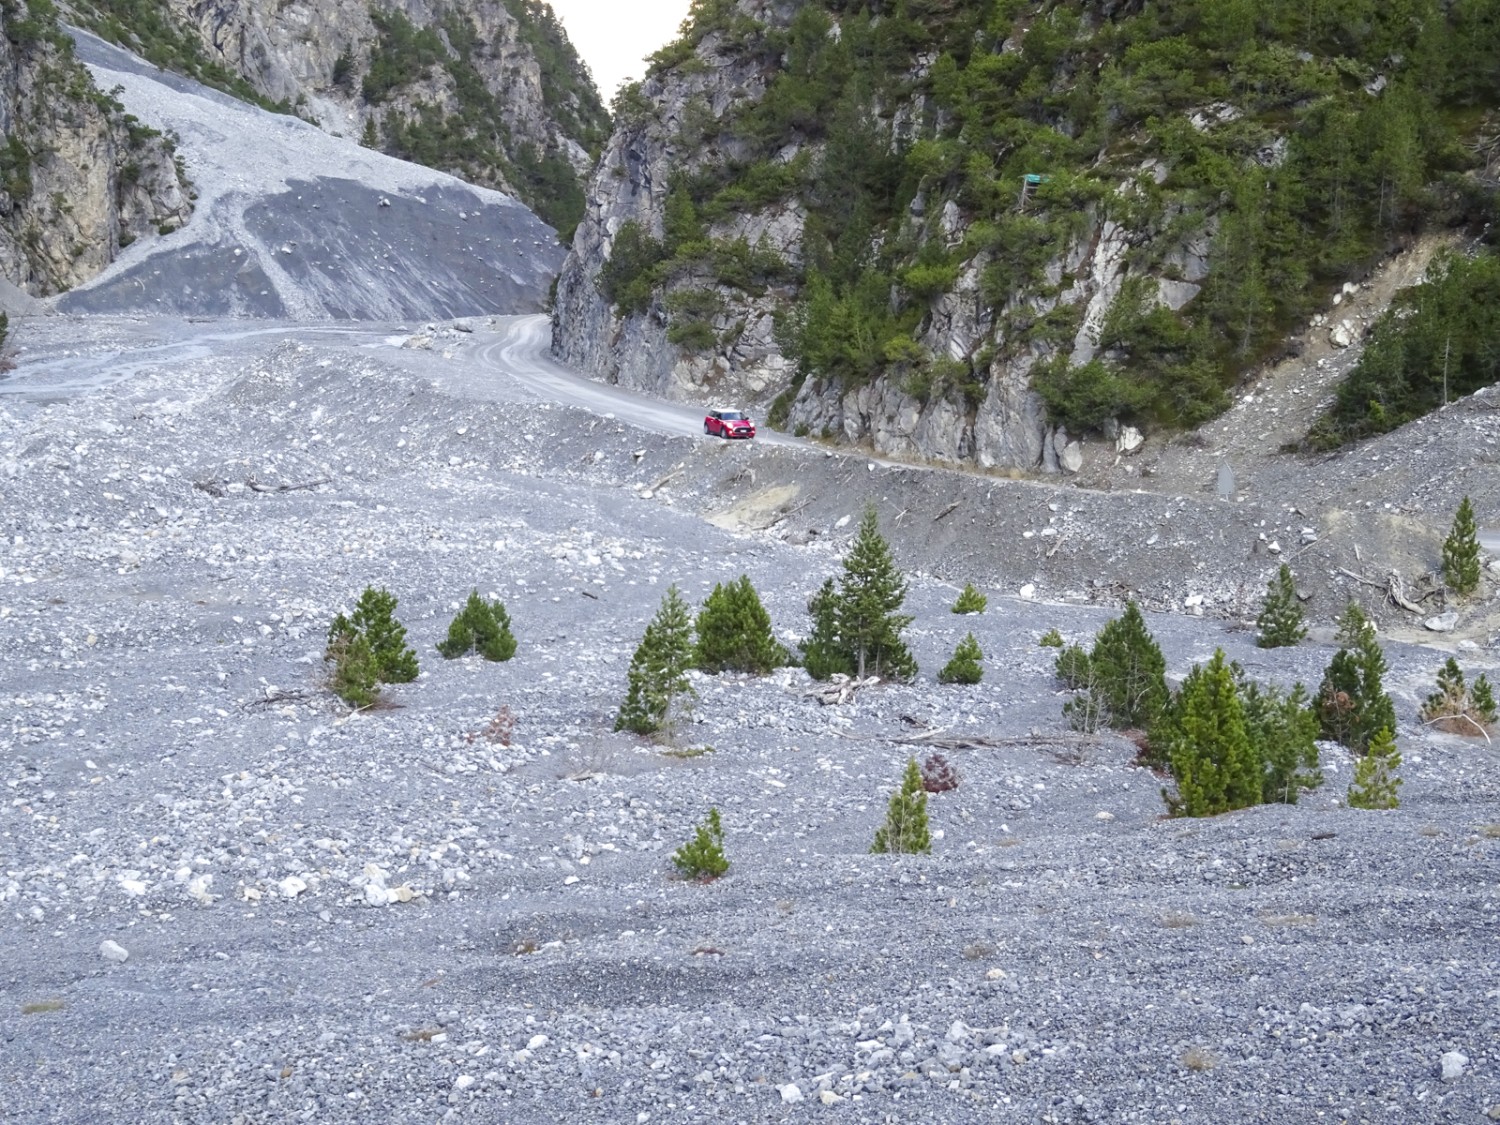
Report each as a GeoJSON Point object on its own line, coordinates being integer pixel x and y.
{"type": "Point", "coordinates": [390, 916]}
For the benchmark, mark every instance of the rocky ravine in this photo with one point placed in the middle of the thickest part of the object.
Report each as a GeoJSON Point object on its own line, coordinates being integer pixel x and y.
{"type": "Point", "coordinates": [81, 180]}
{"type": "Point", "coordinates": [225, 899]}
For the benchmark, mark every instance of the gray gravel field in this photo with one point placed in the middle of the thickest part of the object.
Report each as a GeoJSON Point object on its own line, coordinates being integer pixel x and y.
{"type": "Point", "coordinates": [389, 917]}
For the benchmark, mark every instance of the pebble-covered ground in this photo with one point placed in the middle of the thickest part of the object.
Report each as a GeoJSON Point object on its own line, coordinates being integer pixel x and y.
{"type": "Point", "coordinates": [225, 899]}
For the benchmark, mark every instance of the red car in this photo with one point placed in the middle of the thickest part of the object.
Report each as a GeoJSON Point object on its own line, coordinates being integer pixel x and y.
{"type": "Point", "coordinates": [729, 424]}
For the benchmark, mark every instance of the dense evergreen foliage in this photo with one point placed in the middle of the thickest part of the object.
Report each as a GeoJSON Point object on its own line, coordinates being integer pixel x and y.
{"type": "Point", "coordinates": [1122, 681]}
{"type": "Point", "coordinates": [970, 600]}
{"type": "Point", "coordinates": [905, 829]}
{"type": "Point", "coordinates": [1297, 140]}
{"type": "Point", "coordinates": [1461, 548]}
{"type": "Point", "coordinates": [1457, 706]}
{"type": "Point", "coordinates": [482, 627]}
{"type": "Point", "coordinates": [857, 627]}
{"type": "Point", "coordinates": [1434, 344]}
{"type": "Point", "coordinates": [1375, 784]}
{"type": "Point", "coordinates": [374, 623]}
{"type": "Point", "coordinates": [658, 671]}
{"type": "Point", "coordinates": [702, 857]}
{"type": "Point", "coordinates": [1352, 703]}
{"type": "Point", "coordinates": [734, 632]}
{"type": "Point", "coordinates": [1280, 622]}
{"type": "Point", "coordinates": [966, 666]}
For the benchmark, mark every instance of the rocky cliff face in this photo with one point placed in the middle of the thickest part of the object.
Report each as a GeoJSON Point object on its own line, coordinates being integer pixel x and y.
{"type": "Point", "coordinates": [79, 179]}
{"type": "Point", "coordinates": [972, 235]}
{"type": "Point", "coordinates": [489, 90]}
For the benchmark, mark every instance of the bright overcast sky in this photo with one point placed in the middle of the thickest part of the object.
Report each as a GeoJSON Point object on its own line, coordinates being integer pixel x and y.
{"type": "Point", "coordinates": [613, 36]}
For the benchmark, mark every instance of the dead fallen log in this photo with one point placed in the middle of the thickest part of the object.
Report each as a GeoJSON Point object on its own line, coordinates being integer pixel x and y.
{"type": "Point", "coordinates": [256, 486]}
{"type": "Point", "coordinates": [840, 689]}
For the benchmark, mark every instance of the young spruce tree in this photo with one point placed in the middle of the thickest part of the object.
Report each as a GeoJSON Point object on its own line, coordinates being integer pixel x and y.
{"type": "Point", "coordinates": [374, 622]}
{"type": "Point", "coordinates": [1461, 551]}
{"type": "Point", "coordinates": [658, 670]}
{"type": "Point", "coordinates": [480, 626]}
{"type": "Point", "coordinates": [1129, 671]}
{"type": "Point", "coordinates": [1283, 729]}
{"type": "Point", "coordinates": [905, 827]}
{"type": "Point", "coordinates": [1280, 621]}
{"type": "Point", "coordinates": [734, 632]}
{"type": "Point", "coordinates": [702, 857]}
{"type": "Point", "coordinates": [1208, 746]}
{"type": "Point", "coordinates": [965, 667]}
{"type": "Point", "coordinates": [871, 592]}
{"type": "Point", "coordinates": [822, 654]}
{"type": "Point", "coordinates": [1375, 782]}
{"type": "Point", "coordinates": [1352, 703]}
{"type": "Point", "coordinates": [970, 600]}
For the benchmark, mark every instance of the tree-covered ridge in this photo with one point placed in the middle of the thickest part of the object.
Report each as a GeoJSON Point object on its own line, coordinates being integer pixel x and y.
{"type": "Point", "coordinates": [475, 143]}
{"type": "Point", "coordinates": [1290, 142]}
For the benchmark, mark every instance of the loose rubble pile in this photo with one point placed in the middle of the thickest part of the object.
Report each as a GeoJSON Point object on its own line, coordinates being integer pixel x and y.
{"type": "Point", "coordinates": [225, 898]}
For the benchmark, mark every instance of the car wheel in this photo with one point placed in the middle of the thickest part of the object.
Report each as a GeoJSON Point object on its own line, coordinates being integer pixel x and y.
{"type": "Point", "coordinates": [705, 427]}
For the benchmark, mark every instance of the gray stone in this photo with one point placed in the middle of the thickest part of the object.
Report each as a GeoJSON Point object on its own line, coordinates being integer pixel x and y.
{"type": "Point", "coordinates": [1443, 622]}
{"type": "Point", "coordinates": [113, 951]}
{"type": "Point", "coordinates": [1454, 1063]}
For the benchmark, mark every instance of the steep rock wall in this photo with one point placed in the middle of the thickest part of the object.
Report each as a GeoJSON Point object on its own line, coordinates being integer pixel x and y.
{"type": "Point", "coordinates": [79, 179]}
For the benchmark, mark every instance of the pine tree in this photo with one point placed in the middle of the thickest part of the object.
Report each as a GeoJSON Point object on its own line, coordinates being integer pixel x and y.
{"type": "Point", "coordinates": [905, 827]}
{"type": "Point", "coordinates": [374, 621]}
{"type": "Point", "coordinates": [1452, 695]}
{"type": "Point", "coordinates": [482, 626]}
{"type": "Point", "coordinates": [1280, 621]}
{"type": "Point", "coordinates": [1375, 782]}
{"type": "Point", "coordinates": [1482, 701]}
{"type": "Point", "coordinates": [702, 857]}
{"type": "Point", "coordinates": [1352, 703]}
{"type": "Point", "coordinates": [1072, 667]}
{"type": "Point", "coordinates": [965, 666]}
{"type": "Point", "coordinates": [1461, 551]}
{"type": "Point", "coordinates": [1129, 671]}
{"type": "Point", "coordinates": [970, 600]}
{"type": "Point", "coordinates": [1283, 729]}
{"type": "Point", "coordinates": [870, 593]}
{"type": "Point", "coordinates": [354, 676]}
{"type": "Point", "coordinates": [734, 632]}
{"type": "Point", "coordinates": [1209, 749]}
{"type": "Point", "coordinates": [822, 654]}
{"type": "Point", "coordinates": [658, 670]}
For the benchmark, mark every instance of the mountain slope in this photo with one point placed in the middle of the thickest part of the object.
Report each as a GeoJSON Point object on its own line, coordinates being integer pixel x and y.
{"type": "Point", "coordinates": [293, 223]}
{"type": "Point", "coordinates": [489, 90]}
{"type": "Point", "coordinates": [80, 179]}
{"type": "Point", "coordinates": [958, 229]}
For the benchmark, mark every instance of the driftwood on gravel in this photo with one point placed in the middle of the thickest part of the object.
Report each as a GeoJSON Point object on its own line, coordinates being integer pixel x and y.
{"type": "Point", "coordinates": [1394, 587]}
{"type": "Point", "coordinates": [840, 689]}
{"type": "Point", "coordinates": [217, 489]}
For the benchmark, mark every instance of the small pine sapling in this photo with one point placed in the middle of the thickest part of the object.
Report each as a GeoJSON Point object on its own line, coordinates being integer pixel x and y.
{"type": "Point", "coordinates": [1129, 671]}
{"type": "Point", "coordinates": [702, 857]}
{"type": "Point", "coordinates": [658, 670]}
{"type": "Point", "coordinates": [1352, 702]}
{"type": "Point", "coordinates": [871, 592]}
{"type": "Point", "coordinates": [1206, 743]}
{"type": "Point", "coordinates": [1456, 706]}
{"type": "Point", "coordinates": [822, 654]}
{"type": "Point", "coordinates": [970, 600]}
{"type": "Point", "coordinates": [1461, 551]}
{"type": "Point", "coordinates": [1375, 782]}
{"type": "Point", "coordinates": [1280, 621]}
{"type": "Point", "coordinates": [1072, 667]}
{"type": "Point", "coordinates": [374, 620]}
{"type": "Point", "coordinates": [480, 626]}
{"type": "Point", "coordinates": [1283, 729]}
{"type": "Point", "coordinates": [938, 774]}
{"type": "Point", "coordinates": [905, 827]}
{"type": "Point", "coordinates": [1051, 639]}
{"type": "Point", "coordinates": [965, 667]}
{"type": "Point", "coordinates": [353, 675]}
{"type": "Point", "coordinates": [734, 632]}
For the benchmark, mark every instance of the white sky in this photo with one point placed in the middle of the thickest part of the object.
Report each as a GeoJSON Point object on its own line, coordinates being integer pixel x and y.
{"type": "Point", "coordinates": [614, 36]}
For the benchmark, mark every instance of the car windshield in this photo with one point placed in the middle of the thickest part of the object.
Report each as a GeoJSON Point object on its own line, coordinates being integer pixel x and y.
{"type": "Point", "coordinates": [731, 416]}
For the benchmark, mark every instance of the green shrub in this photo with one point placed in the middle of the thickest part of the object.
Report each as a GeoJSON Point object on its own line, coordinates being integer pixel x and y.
{"type": "Point", "coordinates": [353, 674]}
{"type": "Point", "coordinates": [1129, 671]}
{"type": "Point", "coordinates": [1458, 707]}
{"type": "Point", "coordinates": [734, 632]}
{"type": "Point", "coordinates": [480, 627]}
{"type": "Point", "coordinates": [1280, 622]}
{"type": "Point", "coordinates": [823, 654]}
{"type": "Point", "coordinates": [970, 600]}
{"type": "Point", "coordinates": [905, 828]}
{"type": "Point", "coordinates": [1283, 729]}
{"type": "Point", "coordinates": [1375, 784]}
{"type": "Point", "coordinates": [1053, 639]}
{"type": "Point", "coordinates": [702, 857]}
{"type": "Point", "coordinates": [658, 671]}
{"type": "Point", "coordinates": [1352, 703]}
{"type": "Point", "coordinates": [965, 667]}
{"type": "Point", "coordinates": [374, 623]}
{"type": "Point", "coordinates": [856, 627]}
{"type": "Point", "coordinates": [1461, 551]}
{"type": "Point", "coordinates": [1205, 741]}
